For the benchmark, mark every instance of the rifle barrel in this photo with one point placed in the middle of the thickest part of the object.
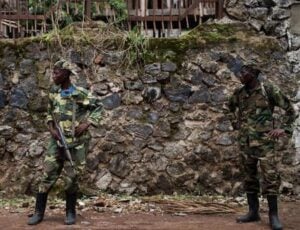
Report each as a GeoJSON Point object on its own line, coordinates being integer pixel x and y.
{"type": "Point", "coordinates": [63, 141]}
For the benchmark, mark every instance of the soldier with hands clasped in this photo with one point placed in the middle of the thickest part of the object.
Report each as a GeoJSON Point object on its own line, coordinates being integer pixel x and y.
{"type": "Point", "coordinates": [253, 106]}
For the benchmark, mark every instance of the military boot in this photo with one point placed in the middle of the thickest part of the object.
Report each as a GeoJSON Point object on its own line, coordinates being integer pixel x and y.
{"type": "Point", "coordinates": [273, 213]}
{"type": "Point", "coordinates": [40, 206]}
{"type": "Point", "coordinates": [252, 214]}
{"type": "Point", "coordinates": [70, 208]}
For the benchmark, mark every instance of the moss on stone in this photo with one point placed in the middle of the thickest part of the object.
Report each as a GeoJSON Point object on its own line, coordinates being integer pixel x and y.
{"type": "Point", "coordinates": [212, 33]}
{"type": "Point", "coordinates": [158, 49]}
{"type": "Point", "coordinates": [203, 36]}
{"type": "Point", "coordinates": [161, 49]}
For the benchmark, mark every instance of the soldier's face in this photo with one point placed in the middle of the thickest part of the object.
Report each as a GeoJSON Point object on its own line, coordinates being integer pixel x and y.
{"type": "Point", "coordinates": [59, 76]}
{"type": "Point", "coordinates": [245, 76]}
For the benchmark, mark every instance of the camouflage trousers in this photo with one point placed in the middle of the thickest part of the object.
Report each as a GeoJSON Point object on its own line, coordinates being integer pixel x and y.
{"type": "Point", "coordinates": [55, 163]}
{"type": "Point", "coordinates": [265, 157]}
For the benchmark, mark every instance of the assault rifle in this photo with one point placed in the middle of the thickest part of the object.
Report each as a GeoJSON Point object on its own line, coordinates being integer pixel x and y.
{"type": "Point", "coordinates": [63, 141]}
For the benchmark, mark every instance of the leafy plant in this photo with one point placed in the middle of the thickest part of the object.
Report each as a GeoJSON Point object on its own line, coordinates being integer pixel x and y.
{"type": "Point", "coordinates": [120, 8]}
{"type": "Point", "coordinates": [137, 45]}
{"type": "Point", "coordinates": [61, 13]}
{"type": "Point", "coordinates": [40, 6]}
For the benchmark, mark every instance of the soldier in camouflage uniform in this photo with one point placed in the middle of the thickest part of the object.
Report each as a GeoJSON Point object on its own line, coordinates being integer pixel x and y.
{"type": "Point", "coordinates": [253, 106]}
{"type": "Point", "coordinates": [75, 109]}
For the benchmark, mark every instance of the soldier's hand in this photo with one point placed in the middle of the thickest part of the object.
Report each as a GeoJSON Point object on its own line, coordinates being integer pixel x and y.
{"type": "Point", "coordinates": [54, 134]}
{"type": "Point", "coordinates": [81, 128]}
{"type": "Point", "coordinates": [275, 133]}
{"type": "Point", "coordinates": [236, 125]}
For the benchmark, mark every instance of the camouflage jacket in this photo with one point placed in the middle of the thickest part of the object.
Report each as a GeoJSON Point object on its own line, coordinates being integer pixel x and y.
{"type": "Point", "coordinates": [254, 112]}
{"type": "Point", "coordinates": [71, 110]}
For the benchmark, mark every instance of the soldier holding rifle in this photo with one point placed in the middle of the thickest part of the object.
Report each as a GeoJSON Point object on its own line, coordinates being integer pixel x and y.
{"type": "Point", "coordinates": [71, 110]}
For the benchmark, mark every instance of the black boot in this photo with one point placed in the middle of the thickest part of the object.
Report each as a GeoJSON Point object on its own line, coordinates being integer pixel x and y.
{"type": "Point", "coordinates": [252, 215]}
{"type": "Point", "coordinates": [40, 206]}
{"type": "Point", "coordinates": [273, 213]}
{"type": "Point", "coordinates": [70, 208]}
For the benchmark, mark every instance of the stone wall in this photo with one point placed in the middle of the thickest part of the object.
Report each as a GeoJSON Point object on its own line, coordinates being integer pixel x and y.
{"type": "Point", "coordinates": [277, 18]}
{"type": "Point", "coordinates": [164, 128]}
{"type": "Point", "coordinates": [272, 17]}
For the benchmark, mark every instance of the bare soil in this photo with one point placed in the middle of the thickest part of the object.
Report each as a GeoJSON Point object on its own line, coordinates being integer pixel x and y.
{"type": "Point", "coordinates": [289, 213]}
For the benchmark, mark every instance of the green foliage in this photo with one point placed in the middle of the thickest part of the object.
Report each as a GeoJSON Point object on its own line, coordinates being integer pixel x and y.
{"type": "Point", "coordinates": [40, 6]}
{"type": "Point", "coordinates": [120, 8]}
{"type": "Point", "coordinates": [213, 33]}
{"type": "Point", "coordinates": [15, 202]}
{"type": "Point", "coordinates": [62, 16]}
{"type": "Point", "coordinates": [137, 45]}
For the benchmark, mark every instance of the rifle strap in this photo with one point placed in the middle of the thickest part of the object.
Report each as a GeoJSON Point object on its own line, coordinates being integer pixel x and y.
{"type": "Point", "coordinates": [265, 94]}
{"type": "Point", "coordinates": [73, 118]}
{"type": "Point", "coordinates": [239, 107]}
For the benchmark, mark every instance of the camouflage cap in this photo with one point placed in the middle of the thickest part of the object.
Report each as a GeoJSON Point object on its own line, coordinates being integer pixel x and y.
{"type": "Point", "coordinates": [64, 64]}
{"type": "Point", "coordinates": [254, 63]}
{"type": "Point", "coordinates": [247, 64]}
{"type": "Point", "coordinates": [251, 68]}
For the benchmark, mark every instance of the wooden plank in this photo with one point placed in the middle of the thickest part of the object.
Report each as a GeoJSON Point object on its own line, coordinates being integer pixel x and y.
{"type": "Point", "coordinates": [158, 12]}
{"type": "Point", "coordinates": [22, 17]}
{"type": "Point", "coordinates": [10, 24]}
{"type": "Point", "coordinates": [153, 18]}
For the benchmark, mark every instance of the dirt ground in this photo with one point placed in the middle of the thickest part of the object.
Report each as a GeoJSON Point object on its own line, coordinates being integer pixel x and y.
{"type": "Point", "coordinates": [290, 212]}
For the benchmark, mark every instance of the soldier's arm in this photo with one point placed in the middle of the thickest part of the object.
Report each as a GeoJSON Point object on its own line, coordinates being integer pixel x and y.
{"type": "Point", "coordinates": [230, 112]}
{"type": "Point", "coordinates": [95, 107]}
{"type": "Point", "coordinates": [49, 119]}
{"type": "Point", "coordinates": [282, 101]}
{"type": "Point", "coordinates": [232, 102]}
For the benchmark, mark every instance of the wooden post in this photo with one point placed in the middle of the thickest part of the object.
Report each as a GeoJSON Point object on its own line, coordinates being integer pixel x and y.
{"type": "Point", "coordinates": [136, 11]}
{"type": "Point", "coordinates": [35, 23]}
{"type": "Point", "coordinates": [187, 15]}
{"type": "Point", "coordinates": [219, 8]}
{"type": "Point", "coordinates": [162, 20]}
{"type": "Point", "coordinates": [179, 13]}
{"type": "Point", "coordinates": [200, 12]}
{"type": "Point", "coordinates": [76, 7]}
{"type": "Point", "coordinates": [18, 13]}
{"type": "Point", "coordinates": [145, 15]}
{"type": "Point", "coordinates": [68, 7]}
{"type": "Point", "coordinates": [88, 9]}
{"type": "Point", "coordinates": [44, 21]}
{"type": "Point", "coordinates": [170, 18]}
{"type": "Point", "coordinates": [129, 7]}
{"type": "Point", "coordinates": [142, 13]}
{"type": "Point", "coordinates": [154, 16]}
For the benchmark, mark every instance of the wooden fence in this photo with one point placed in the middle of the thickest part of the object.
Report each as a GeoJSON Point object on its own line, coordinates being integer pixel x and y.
{"type": "Point", "coordinates": [158, 18]}
{"type": "Point", "coordinates": [164, 17]}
